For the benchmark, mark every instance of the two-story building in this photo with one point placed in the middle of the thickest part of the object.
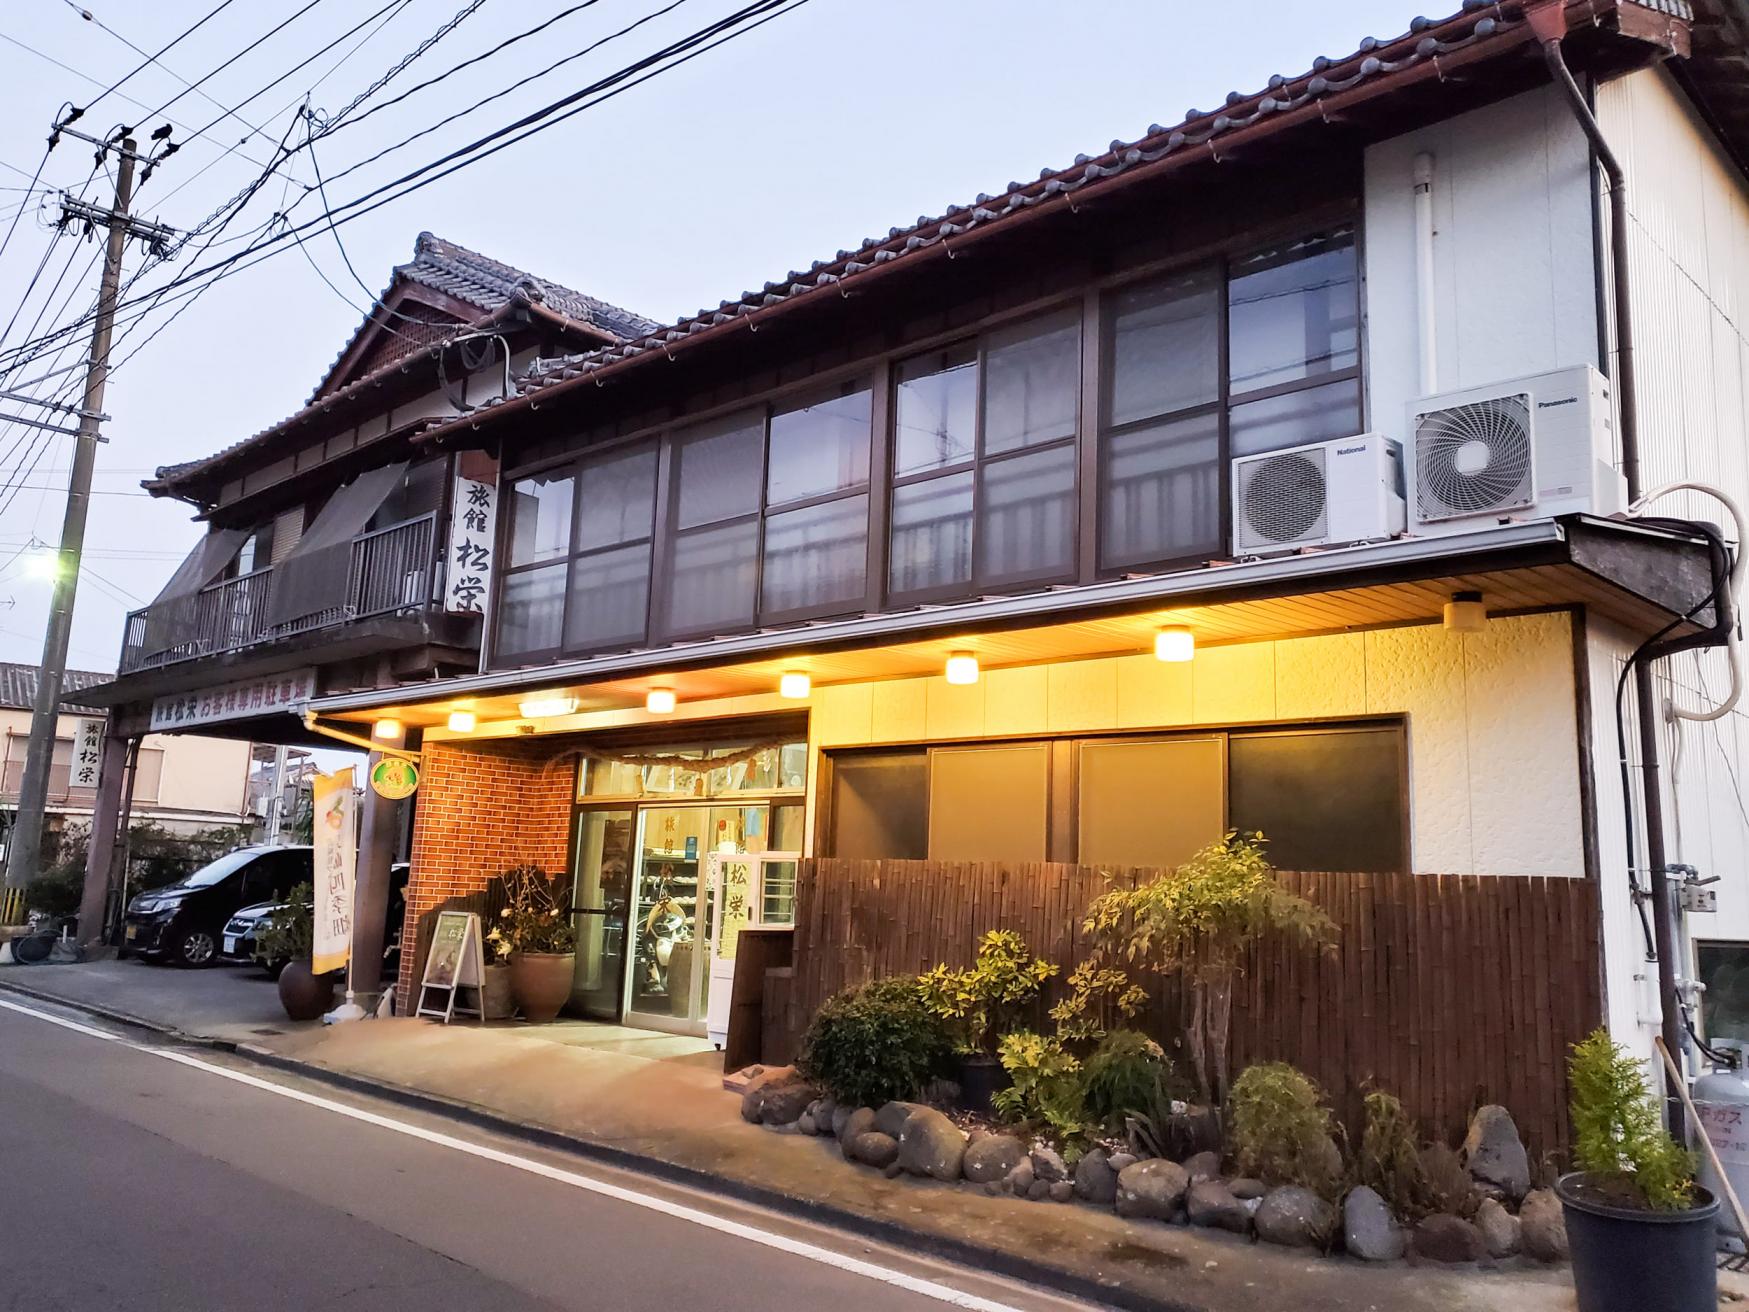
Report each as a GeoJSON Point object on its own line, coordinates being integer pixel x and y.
{"type": "Point", "coordinates": [1280, 468]}
{"type": "Point", "coordinates": [341, 555]}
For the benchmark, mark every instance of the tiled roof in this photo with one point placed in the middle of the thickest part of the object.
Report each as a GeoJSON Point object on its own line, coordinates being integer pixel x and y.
{"type": "Point", "coordinates": [18, 686]}
{"type": "Point", "coordinates": [480, 281]}
{"type": "Point", "coordinates": [1480, 27]}
{"type": "Point", "coordinates": [491, 284]}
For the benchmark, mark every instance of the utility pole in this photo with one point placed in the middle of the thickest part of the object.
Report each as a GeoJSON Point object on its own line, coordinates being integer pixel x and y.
{"type": "Point", "coordinates": [24, 852]}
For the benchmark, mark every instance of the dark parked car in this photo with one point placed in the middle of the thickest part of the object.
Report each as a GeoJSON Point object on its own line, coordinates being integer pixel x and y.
{"type": "Point", "coordinates": [238, 942]}
{"type": "Point", "coordinates": [181, 922]}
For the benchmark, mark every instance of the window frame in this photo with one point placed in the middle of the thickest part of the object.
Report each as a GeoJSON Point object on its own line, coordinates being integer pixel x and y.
{"type": "Point", "coordinates": [1226, 400]}
{"type": "Point", "coordinates": [980, 460]}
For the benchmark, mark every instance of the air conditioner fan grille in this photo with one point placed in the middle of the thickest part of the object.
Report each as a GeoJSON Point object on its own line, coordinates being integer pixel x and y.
{"type": "Point", "coordinates": [1284, 499]}
{"type": "Point", "coordinates": [1474, 458]}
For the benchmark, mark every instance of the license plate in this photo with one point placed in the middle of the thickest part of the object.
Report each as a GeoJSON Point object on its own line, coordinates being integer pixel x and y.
{"type": "Point", "coordinates": [133, 933]}
{"type": "Point", "coordinates": [230, 945]}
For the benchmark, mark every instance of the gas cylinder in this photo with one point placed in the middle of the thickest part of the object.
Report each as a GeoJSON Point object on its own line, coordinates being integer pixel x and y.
{"type": "Point", "coordinates": [1721, 1098]}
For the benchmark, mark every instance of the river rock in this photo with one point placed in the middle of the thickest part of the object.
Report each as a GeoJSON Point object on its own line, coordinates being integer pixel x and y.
{"type": "Point", "coordinates": [839, 1116]}
{"type": "Point", "coordinates": [1020, 1178]}
{"type": "Point", "coordinates": [785, 1103]}
{"type": "Point", "coordinates": [1245, 1189]}
{"type": "Point", "coordinates": [1542, 1228]}
{"type": "Point", "coordinates": [1369, 1231]}
{"type": "Point", "coordinates": [992, 1157]}
{"type": "Point", "coordinates": [860, 1121]}
{"type": "Point", "coordinates": [1095, 1181]}
{"type": "Point", "coordinates": [1048, 1163]}
{"type": "Point", "coordinates": [1500, 1229]}
{"type": "Point", "coordinates": [825, 1117]}
{"type": "Point", "coordinates": [1120, 1160]}
{"type": "Point", "coordinates": [891, 1118]}
{"type": "Point", "coordinates": [1151, 1189]}
{"type": "Point", "coordinates": [1210, 1203]}
{"type": "Point", "coordinates": [931, 1145]}
{"type": "Point", "coordinates": [1495, 1154]}
{"type": "Point", "coordinates": [806, 1124]}
{"type": "Point", "coordinates": [1295, 1217]}
{"type": "Point", "coordinates": [872, 1148]}
{"type": "Point", "coordinates": [1061, 1191]}
{"type": "Point", "coordinates": [1203, 1166]}
{"type": "Point", "coordinates": [1038, 1191]}
{"type": "Point", "coordinates": [1446, 1238]}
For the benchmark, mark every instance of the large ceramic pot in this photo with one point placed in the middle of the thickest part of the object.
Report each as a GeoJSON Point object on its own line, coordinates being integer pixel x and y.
{"type": "Point", "coordinates": [500, 1002]}
{"type": "Point", "coordinates": [981, 1078]}
{"type": "Point", "coordinates": [305, 996]}
{"type": "Point", "coordinates": [1627, 1259]}
{"type": "Point", "coordinates": [541, 982]}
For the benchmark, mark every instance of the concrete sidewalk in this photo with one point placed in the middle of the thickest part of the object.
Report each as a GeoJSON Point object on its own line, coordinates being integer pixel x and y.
{"type": "Point", "coordinates": [658, 1102]}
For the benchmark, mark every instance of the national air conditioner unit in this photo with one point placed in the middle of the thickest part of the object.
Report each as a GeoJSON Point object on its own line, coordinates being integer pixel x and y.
{"type": "Point", "coordinates": [1529, 448]}
{"type": "Point", "coordinates": [1326, 494]}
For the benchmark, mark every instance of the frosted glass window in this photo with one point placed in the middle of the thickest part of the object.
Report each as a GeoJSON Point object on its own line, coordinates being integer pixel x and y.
{"type": "Point", "coordinates": [1166, 347]}
{"type": "Point", "coordinates": [936, 414]}
{"type": "Point", "coordinates": [819, 447]}
{"type": "Point", "coordinates": [540, 517]}
{"type": "Point", "coordinates": [816, 556]}
{"type": "Point", "coordinates": [1032, 383]}
{"type": "Point", "coordinates": [1293, 313]}
{"type": "Point", "coordinates": [1026, 515]}
{"type": "Point", "coordinates": [1150, 803]}
{"type": "Point", "coordinates": [1162, 494]}
{"type": "Point", "coordinates": [989, 803]}
{"type": "Point", "coordinates": [720, 468]}
{"type": "Point", "coordinates": [932, 534]}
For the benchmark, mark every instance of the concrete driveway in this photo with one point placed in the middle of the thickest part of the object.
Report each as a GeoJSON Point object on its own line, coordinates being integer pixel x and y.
{"type": "Point", "coordinates": [238, 1004]}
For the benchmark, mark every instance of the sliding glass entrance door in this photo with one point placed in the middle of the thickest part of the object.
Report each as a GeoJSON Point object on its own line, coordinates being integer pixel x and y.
{"type": "Point", "coordinates": [603, 861]}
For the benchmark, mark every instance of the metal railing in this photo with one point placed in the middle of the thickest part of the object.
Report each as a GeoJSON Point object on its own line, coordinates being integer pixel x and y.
{"type": "Point", "coordinates": [394, 570]}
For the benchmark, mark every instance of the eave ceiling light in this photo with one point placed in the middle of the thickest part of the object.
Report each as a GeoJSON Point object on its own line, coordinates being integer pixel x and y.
{"type": "Point", "coordinates": [962, 668]}
{"type": "Point", "coordinates": [1465, 613]}
{"type": "Point", "coordinates": [1175, 643]}
{"type": "Point", "coordinates": [795, 685]}
{"type": "Point", "coordinates": [546, 706]}
{"type": "Point", "coordinates": [660, 701]}
{"type": "Point", "coordinates": [462, 721]}
{"type": "Point", "coordinates": [387, 728]}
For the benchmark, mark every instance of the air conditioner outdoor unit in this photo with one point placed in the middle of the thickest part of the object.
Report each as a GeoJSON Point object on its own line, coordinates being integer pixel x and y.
{"type": "Point", "coordinates": [1326, 494]}
{"type": "Point", "coordinates": [1528, 448]}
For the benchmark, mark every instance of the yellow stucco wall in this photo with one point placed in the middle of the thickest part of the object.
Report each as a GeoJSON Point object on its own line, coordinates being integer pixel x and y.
{"type": "Point", "coordinates": [200, 774]}
{"type": "Point", "coordinates": [1492, 721]}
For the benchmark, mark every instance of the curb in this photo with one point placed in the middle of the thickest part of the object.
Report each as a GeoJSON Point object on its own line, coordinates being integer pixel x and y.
{"type": "Point", "coordinates": [942, 1247]}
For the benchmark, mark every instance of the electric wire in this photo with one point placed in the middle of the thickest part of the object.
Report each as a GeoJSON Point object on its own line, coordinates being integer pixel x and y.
{"type": "Point", "coordinates": [150, 59]}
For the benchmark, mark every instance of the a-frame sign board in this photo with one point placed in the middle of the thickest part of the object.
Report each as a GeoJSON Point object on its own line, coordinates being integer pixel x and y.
{"type": "Point", "coordinates": [456, 962]}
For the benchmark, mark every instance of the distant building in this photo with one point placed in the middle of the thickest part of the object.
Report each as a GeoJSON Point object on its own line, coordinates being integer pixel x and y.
{"type": "Point", "coordinates": [183, 783]}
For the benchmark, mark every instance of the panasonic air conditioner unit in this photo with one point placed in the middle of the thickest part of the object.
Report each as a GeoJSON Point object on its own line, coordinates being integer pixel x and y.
{"type": "Point", "coordinates": [1326, 494]}
{"type": "Point", "coordinates": [1529, 448]}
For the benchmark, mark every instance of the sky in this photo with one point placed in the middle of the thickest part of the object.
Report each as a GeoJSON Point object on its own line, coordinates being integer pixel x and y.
{"type": "Point", "coordinates": [828, 124]}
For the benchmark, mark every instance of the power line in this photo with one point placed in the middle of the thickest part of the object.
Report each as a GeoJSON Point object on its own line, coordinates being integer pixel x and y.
{"type": "Point", "coordinates": [89, 17]}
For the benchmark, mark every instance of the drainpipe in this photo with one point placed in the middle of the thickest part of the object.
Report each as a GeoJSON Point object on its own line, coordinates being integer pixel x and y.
{"type": "Point", "coordinates": [1426, 342]}
{"type": "Point", "coordinates": [1548, 22]}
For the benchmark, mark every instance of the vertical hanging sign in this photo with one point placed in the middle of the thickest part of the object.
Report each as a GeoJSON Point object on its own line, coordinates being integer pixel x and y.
{"type": "Point", "coordinates": [82, 770]}
{"type": "Point", "coordinates": [473, 525]}
{"type": "Point", "coordinates": [336, 843]}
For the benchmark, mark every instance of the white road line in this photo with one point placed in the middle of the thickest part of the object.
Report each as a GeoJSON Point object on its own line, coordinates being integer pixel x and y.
{"type": "Point", "coordinates": [782, 1243]}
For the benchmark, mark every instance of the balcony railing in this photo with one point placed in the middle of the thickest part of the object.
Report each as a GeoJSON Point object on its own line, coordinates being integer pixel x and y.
{"type": "Point", "coordinates": [394, 570]}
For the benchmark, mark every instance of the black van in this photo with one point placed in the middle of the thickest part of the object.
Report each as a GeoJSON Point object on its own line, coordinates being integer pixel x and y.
{"type": "Point", "coordinates": [180, 923]}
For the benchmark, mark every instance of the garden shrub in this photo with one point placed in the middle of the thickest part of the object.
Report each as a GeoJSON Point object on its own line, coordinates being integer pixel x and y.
{"type": "Point", "coordinates": [1046, 1086]}
{"type": "Point", "coordinates": [984, 1003]}
{"type": "Point", "coordinates": [1390, 1157]}
{"type": "Point", "coordinates": [872, 1044]}
{"type": "Point", "coordinates": [1280, 1128]}
{"type": "Point", "coordinates": [1445, 1183]}
{"type": "Point", "coordinates": [1618, 1134]}
{"type": "Point", "coordinates": [1126, 1075]}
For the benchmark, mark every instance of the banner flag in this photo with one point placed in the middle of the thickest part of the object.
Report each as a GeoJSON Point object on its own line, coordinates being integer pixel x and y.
{"type": "Point", "coordinates": [336, 841]}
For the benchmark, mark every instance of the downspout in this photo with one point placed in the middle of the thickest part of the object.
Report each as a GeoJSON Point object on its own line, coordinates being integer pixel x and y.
{"type": "Point", "coordinates": [1426, 341]}
{"type": "Point", "coordinates": [1548, 22]}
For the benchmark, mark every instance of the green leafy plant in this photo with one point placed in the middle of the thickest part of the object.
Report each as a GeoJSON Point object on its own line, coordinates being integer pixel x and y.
{"type": "Point", "coordinates": [288, 932]}
{"type": "Point", "coordinates": [1280, 1128]}
{"type": "Point", "coordinates": [1098, 998]}
{"type": "Point", "coordinates": [984, 1003]}
{"type": "Point", "coordinates": [1390, 1158]}
{"type": "Point", "coordinates": [1199, 922]}
{"type": "Point", "coordinates": [872, 1044]}
{"type": "Point", "coordinates": [534, 917]}
{"type": "Point", "coordinates": [1618, 1136]}
{"type": "Point", "coordinates": [1127, 1073]}
{"type": "Point", "coordinates": [1045, 1085]}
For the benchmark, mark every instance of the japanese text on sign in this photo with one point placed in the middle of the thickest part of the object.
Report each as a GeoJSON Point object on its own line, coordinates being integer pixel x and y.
{"type": "Point", "coordinates": [82, 770]}
{"type": "Point", "coordinates": [235, 701]}
{"type": "Point", "coordinates": [472, 528]}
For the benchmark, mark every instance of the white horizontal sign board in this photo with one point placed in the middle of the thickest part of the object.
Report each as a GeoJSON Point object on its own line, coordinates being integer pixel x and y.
{"type": "Point", "coordinates": [235, 701]}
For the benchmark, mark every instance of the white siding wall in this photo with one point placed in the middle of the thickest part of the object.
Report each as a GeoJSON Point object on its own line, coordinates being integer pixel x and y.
{"type": "Point", "coordinates": [1516, 289]}
{"type": "Point", "coordinates": [1690, 289]}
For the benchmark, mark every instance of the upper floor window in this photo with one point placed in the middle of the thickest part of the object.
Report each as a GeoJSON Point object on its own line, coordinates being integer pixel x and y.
{"type": "Point", "coordinates": [984, 461]}
{"type": "Point", "coordinates": [1172, 414]}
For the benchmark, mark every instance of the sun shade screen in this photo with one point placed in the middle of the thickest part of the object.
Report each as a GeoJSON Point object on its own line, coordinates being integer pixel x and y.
{"type": "Point", "coordinates": [317, 574]}
{"type": "Point", "coordinates": [1150, 803]}
{"type": "Point", "coordinates": [989, 803]}
{"type": "Point", "coordinates": [167, 621]}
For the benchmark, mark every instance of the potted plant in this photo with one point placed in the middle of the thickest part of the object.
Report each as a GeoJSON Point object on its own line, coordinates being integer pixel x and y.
{"type": "Point", "coordinates": [982, 1005]}
{"type": "Point", "coordinates": [288, 934]}
{"type": "Point", "coordinates": [534, 934]}
{"type": "Point", "coordinates": [1640, 1231]}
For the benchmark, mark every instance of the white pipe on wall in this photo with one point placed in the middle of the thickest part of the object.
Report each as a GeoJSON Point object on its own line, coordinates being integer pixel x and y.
{"type": "Point", "coordinates": [1426, 342]}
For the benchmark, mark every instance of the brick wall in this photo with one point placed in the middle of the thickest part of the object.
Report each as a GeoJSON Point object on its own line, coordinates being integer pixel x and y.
{"type": "Point", "coordinates": [481, 810]}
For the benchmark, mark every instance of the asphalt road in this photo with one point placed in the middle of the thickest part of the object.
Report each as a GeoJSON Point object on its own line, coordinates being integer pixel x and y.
{"type": "Point", "coordinates": [140, 1176]}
